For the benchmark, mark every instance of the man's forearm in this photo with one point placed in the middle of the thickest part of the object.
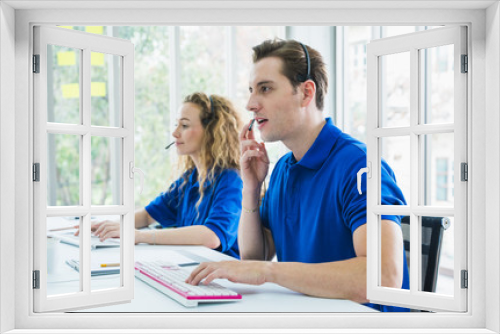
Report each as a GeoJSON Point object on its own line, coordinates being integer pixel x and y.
{"type": "Point", "coordinates": [342, 279]}
{"type": "Point", "coordinates": [250, 235]}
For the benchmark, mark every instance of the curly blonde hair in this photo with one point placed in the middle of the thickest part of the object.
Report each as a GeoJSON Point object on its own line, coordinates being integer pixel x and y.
{"type": "Point", "coordinates": [220, 144]}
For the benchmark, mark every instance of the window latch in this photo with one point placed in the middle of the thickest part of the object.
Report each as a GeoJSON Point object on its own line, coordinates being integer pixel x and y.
{"type": "Point", "coordinates": [368, 171]}
{"type": "Point", "coordinates": [133, 170]}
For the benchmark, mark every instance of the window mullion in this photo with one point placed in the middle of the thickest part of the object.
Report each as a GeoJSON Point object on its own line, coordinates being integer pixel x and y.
{"type": "Point", "coordinates": [415, 231]}
{"type": "Point", "coordinates": [85, 170]}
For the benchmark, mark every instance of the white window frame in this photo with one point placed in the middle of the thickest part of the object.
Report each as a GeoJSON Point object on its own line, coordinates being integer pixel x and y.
{"type": "Point", "coordinates": [17, 19]}
{"type": "Point", "coordinates": [412, 44]}
{"type": "Point", "coordinates": [87, 43]}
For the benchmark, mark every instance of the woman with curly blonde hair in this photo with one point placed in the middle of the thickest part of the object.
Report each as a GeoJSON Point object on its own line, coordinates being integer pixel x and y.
{"type": "Point", "coordinates": [205, 202]}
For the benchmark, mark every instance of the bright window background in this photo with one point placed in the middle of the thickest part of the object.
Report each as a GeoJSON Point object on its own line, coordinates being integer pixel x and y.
{"type": "Point", "coordinates": [217, 60]}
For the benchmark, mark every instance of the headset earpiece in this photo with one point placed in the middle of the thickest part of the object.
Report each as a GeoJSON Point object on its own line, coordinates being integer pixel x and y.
{"type": "Point", "coordinates": [300, 77]}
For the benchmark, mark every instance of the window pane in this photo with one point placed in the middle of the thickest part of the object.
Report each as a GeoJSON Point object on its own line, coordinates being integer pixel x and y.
{"type": "Point", "coordinates": [405, 227]}
{"type": "Point", "coordinates": [106, 170]}
{"type": "Point", "coordinates": [61, 277]}
{"type": "Point", "coordinates": [436, 66]}
{"type": "Point", "coordinates": [63, 169]}
{"type": "Point", "coordinates": [437, 255]}
{"type": "Point", "coordinates": [152, 99]}
{"type": "Point", "coordinates": [105, 263]}
{"type": "Point", "coordinates": [354, 79]}
{"type": "Point", "coordinates": [203, 57]}
{"type": "Point", "coordinates": [395, 89]}
{"type": "Point", "coordinates": [396, 152]}
{"type": "Point", "coordinates": [63, 84]}
{"type": "Point", "coordinates": [438, 159]}
{"type": "Point", "coordinates": [105, 89]}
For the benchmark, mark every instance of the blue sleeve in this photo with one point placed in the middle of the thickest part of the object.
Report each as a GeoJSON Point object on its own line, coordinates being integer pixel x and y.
{"type": "Point", "coordinates": [224, 215]}
{"type": "Point", "coordinates": [164, 208]}
{"type": "Point", "coordinates": [354, 205]}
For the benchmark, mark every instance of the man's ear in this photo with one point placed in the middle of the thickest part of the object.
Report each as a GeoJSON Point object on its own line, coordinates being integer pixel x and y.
{"type": "Point", "coordinates": [308, 92]}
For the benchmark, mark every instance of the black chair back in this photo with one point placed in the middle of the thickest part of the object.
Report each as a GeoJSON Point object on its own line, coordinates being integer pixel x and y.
{"type": "Point", "coordinates": [432, 236]}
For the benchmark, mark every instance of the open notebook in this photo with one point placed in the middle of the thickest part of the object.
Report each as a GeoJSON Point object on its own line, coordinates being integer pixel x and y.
{"type": "Point", "coordinates": [68, 237]}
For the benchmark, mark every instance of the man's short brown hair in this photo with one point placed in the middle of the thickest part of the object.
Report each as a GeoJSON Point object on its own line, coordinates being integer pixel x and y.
{"type": "Point", "coordinates": [294, 60]}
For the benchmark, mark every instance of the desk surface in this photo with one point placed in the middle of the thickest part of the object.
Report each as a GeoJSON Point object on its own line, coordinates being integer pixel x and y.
{"type": "Point", "coordinates": [264, 298]}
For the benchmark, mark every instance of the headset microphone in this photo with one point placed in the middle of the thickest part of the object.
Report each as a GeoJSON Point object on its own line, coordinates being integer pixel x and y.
{"type": "Point", "coordinates": [169, 145]}
{"type": "Point", "coordinates": [300, 77]}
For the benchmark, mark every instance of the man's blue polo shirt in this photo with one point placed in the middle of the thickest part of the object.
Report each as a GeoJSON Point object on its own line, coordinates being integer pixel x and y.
{"type": "Point", "coordinates": [313, 207]}
{"type": "Point", "coordinates": [219, 210]}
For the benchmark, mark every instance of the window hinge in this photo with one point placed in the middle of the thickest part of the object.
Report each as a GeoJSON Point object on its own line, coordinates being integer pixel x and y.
{"type": "Point", "coordinates": [465, 279]}
{"type": "Point", "coordinates": [465, 64]}
{"type": "Point", "coordinates": [36, 63]}
{"type": "Point", "coordinates": [464, 172]}
{"type": "Point", "coordinates": [36, 279]}
{"type": "Point", "coordinates": [36, 172]}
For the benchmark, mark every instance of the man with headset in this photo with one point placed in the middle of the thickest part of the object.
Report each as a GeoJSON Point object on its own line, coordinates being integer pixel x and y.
{"type": "Point", "coordinates": [311, 217]}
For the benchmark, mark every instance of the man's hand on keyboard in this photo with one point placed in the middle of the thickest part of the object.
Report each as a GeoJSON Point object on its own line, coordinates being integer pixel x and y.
{"type": "Point", "coordinates": [248, 272]}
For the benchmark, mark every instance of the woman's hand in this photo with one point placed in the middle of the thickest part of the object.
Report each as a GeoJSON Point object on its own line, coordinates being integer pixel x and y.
{"type": "Point", "coordinates": [254, 160]}
{"type": "Point", "coordinates": [104, 230]}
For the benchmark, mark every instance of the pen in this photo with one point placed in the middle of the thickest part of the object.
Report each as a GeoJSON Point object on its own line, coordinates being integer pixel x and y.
{"type": "Point", "coordinates": [188, 264]}
{"type": "Point", "coordinates": [110, 265]}
{"type": "Point", "coordinates": [251, 124]}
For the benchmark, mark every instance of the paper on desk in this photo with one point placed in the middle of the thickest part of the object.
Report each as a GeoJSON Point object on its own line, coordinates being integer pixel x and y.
{"type": "Point", "coordinates": [164, 255]}
{"type": "Point", "coordinates": [96, 260]}
{"type": "Point", "coordinates": [60, 222]}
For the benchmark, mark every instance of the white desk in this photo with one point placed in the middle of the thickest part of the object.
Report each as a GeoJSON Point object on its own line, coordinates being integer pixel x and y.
{"type": "Point", "coordinates": [264, 298]}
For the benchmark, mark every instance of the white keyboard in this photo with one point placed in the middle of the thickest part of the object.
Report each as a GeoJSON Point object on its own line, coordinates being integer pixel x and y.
{"type": "Point", "coordinates": [170, 279]}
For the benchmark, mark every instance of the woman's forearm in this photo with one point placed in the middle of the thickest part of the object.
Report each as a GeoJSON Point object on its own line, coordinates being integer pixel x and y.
{"type": "Point", "coordinates": [189, 235]}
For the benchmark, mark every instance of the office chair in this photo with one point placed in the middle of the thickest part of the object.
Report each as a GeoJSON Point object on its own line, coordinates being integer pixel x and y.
{"type": "Point", "coordinates": [432, 236]}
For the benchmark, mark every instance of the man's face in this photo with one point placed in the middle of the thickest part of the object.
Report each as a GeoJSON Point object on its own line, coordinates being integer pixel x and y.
{"type": "Point", "coordinates": [273, 100]}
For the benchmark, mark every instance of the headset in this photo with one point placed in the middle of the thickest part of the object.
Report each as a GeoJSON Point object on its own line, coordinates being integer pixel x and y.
{"type": "Point", "coordinates": [211, 104]}
{"type": "Point", "coordinates": [300, 77]}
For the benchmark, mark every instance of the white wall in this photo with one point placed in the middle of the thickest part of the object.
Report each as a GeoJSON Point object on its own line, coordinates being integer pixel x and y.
{"type": "Point", "coordinates": [7, 65]}
{"type": "Point", "coordinates": [492, 162]}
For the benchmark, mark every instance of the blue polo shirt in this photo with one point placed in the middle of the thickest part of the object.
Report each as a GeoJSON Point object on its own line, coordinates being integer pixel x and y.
{"type": "Point", "coordinates": [219, 210]}
{"type": "Point", "coordinates": [313, 207]}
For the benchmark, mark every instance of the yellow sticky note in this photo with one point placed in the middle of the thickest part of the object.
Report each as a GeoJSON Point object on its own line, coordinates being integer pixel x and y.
{"type": "Point", "coordinates": [66, 58]}
{"type": "Point", "coordinates": [98, 89]}
{"type": "Point", "coordinates": [95, 29]}
{"type": "Point", "coordinates": [65, 27]}
{"type": "Point", "coordinates": [97, 59]}
{"type": "Point", "coordinates": [71, 91]}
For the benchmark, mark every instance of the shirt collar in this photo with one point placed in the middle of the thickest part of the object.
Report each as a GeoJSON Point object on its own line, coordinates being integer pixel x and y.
{"type": "Point", "coordinates": [320, 149]}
